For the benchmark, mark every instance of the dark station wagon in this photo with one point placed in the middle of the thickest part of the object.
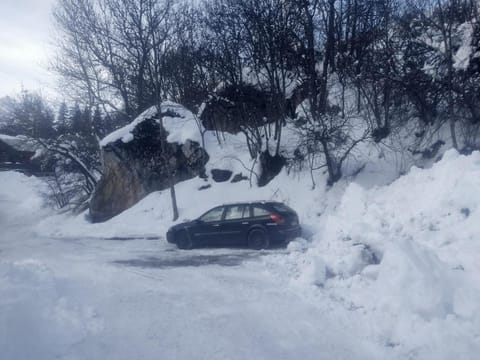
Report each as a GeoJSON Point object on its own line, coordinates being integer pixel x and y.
{"type": "Point", "coordinates": [255, 224]}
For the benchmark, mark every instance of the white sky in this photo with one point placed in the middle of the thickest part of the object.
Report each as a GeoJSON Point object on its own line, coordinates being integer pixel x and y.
{"type": "Point", "coordinates": [25, 37]}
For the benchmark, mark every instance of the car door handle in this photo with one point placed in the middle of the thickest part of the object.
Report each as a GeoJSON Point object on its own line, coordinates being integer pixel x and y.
{"type": "Point", "coordinates": [216, 225]}
{"type": "Point", "coordinates": [245, 223]}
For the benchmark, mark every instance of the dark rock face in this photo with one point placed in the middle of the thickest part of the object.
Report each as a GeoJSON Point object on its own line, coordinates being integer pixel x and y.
{"type": "Point", "coordinates": [271, 167]}
{"type": "Point", "coordinates": [219, 175]}
{"type": "Point", "coordinates": [238, 106]}
{"type": "Point", "coordinates": [133, 169]}
{"type": "Point", "coordinates": [380, 133]}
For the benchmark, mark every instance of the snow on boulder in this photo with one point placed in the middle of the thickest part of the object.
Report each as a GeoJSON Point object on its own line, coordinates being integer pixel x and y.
{"type": "Point", "coordinates": [180, 123]}
{"type": "Point", "coordinates": [134, 163]}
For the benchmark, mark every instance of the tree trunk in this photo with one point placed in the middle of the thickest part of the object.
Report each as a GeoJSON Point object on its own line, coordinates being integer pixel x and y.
{"type": "Point", "coordinates": [173, 196]}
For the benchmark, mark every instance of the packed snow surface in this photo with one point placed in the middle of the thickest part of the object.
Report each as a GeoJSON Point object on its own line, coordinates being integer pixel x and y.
{"type": "Point", "coordinates": [382, 272]}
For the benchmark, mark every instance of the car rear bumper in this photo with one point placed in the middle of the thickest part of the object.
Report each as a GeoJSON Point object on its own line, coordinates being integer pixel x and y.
{"type": "Point", "coordinates": [285, 235]}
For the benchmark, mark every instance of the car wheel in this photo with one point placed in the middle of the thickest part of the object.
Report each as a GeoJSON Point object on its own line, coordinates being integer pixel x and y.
{"type": "Point", "coordinates": [183, 241]}
{"type": "Point", "coordinates": [258, 239]}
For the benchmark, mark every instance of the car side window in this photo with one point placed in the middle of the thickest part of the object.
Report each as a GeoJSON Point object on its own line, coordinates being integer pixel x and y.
{"type": "Point", "coordinates": [236, 212]}
{"type": "Point", "coordinates": [259, 212]}
{"type": "Point", "coordinates": [213, 215]}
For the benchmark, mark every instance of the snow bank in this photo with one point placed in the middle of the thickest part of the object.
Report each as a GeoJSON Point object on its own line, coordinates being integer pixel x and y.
{"type": "Point", "coordinates": [407, 256]}
{"type": "Point", "coordinates": [25, 193]}
{"type": "Point", "coordinates": [411, 277]}
{"type": "Point", "coordinates": [435, 209]}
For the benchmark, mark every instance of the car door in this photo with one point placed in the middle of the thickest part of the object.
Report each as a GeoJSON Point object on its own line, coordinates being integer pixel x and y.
{"type": "Point", "coordinates": [236, 221]}
{"type": "Point", "coordinates": [207, 229]}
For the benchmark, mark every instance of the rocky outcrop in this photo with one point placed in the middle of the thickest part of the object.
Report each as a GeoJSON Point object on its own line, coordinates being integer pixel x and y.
{"type": "Point", "coordinates": [236, 106]}
{"type": "Point", "coordinates": [141, 158]}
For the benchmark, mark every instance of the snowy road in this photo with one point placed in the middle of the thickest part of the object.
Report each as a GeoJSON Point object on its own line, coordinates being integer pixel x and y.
{"type": "Point", "coordinates": [95, 298]}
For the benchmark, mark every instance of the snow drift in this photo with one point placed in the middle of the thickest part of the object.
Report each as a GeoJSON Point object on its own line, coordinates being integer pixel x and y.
{"type": "Point", "coordinates": [406, 256]}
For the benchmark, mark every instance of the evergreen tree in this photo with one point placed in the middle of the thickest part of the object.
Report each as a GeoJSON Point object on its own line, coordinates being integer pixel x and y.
{"type": "Point", "coordinates": [98, 122]}
{"type": "Point", "coordinates": [28, 114]}
{"type": "Point", "coordinates": [75, 119]}
{"type": "Point", "coordinates": [86, 129]}
{"type": "Point", "coordinates": [61, 123]}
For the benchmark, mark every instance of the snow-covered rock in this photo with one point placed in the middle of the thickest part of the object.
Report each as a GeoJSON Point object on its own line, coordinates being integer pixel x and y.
{"type": "Point", "coordinates": [136, 163]}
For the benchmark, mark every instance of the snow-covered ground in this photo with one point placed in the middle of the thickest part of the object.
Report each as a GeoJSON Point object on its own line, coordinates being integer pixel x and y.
{"type": "Point", "coordinates": [90, 298]}
{"type": "Point", "coordinates": [386, 271]}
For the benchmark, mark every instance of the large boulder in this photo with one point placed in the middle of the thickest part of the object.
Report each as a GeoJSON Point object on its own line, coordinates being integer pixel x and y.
{"type": "Point", "coordinates": [144, 156]}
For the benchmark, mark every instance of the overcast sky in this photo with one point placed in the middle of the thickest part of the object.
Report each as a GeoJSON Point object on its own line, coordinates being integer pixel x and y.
{"type": "Point", "coordinates": [25, 37]}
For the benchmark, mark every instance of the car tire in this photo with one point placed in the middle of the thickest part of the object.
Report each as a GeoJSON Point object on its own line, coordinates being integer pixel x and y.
{"type": "Point", "coordinates": [258, 239]}
{"type": "Point", "coordinates": [183, 240]}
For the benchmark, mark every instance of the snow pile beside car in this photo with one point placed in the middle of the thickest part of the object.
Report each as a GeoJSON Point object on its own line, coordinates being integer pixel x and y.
{"type": "Point", "coordinates": [436, 209]}
{"type": "Point", "coordinates": [406, 255]}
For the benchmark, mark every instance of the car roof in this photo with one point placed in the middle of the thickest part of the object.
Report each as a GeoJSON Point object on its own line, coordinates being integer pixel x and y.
{"type": "Point", "coordinates": [251, 202]}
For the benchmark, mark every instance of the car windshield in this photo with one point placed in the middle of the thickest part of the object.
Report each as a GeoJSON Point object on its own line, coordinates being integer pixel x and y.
{"type": "Point", "coordinates": [212, 215]}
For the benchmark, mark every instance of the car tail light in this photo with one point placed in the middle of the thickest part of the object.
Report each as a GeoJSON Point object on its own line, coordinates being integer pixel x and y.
{"type": "Point", "coordinates": [277, 219]}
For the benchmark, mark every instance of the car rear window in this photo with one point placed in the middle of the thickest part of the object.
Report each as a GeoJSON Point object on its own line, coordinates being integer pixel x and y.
{"type": "Point", "coordinates": [258, 211]}
{"type": "Point", "coordinates": [282, 208]}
